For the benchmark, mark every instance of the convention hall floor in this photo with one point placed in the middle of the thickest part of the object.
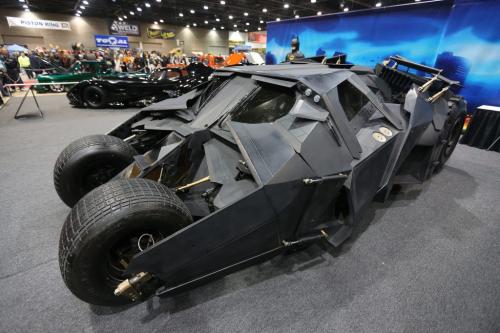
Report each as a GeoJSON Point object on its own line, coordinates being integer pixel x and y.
{"type": "Point", "coordinates": [426, 261]}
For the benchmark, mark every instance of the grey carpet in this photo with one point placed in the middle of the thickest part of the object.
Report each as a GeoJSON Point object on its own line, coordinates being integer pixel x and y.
{"type": "Point", "coordinates": [426, 261]}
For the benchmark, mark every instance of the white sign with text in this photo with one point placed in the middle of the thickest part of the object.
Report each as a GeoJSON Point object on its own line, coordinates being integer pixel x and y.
{"type": "Point", "coordinates": [37, 24]}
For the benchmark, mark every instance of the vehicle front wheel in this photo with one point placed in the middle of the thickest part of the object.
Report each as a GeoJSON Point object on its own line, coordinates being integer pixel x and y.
{"type": "Point", "coordinates": [107, 228]}
{"type": "Point", "coordinates": [89, 162]}
{"type": "Point", "coordinates": [94, 97]}
{"type": "Point", "coordinates": [56, 88]}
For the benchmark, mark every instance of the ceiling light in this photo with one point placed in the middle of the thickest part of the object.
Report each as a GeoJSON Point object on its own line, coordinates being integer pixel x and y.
{"type": "Point", "coordinates": [77, 14]}
{"type": "Point", "coordinates": [237, 31]}
{"type": "Point", "coordinates": [378, 4]}
{"type": "Point", "coordinates": [161, 20]}
{"type": "Point", "coordinates": [82, 7]}
{"type": "Point", "coordinates": [79, 11]}
{"type": "Point", "coordinates": [261, 22]}
{"type": "Point", "coordinates": [139, 9]}
{"type": "Point", "coordinates": [245, 13]}
{"type": "Point", "coordinates": [155, 22]}
{"type": "Point", "coordinates": [214, 29]}
{"type": "Point", "coordinates": [297, 16]}
{"type": "Point", "coordinates": [192, 11]}
{"type": "Point", "coordinates": [247, 23]}
{"type": "Point", "coordinates": [21, 0]}
{"type": "Point", "coordinates": [230, 17]}
{"type": "Point", "coordinates": [181, 15]}
{"type": "Point", "coordinates": [187, 26]}
{"type": "Point", "coordinates": [346, 9]}
{"type": "Point", "coordinates": [417, 0]}
{"type": "Point", "coordinates": [286, 6]}
{"type": "Point", "coordinates": [264, 10]}
{"type": "Point", "coordinates": [222, 28]}
{"type": "Point", "coordinates": [132, 13]}
{"type": "Point", "coordinates": [235, 25]}
{"type": "Point", "coordinates": [259, 28]}
{"type": "Point", "coordinates": [206, 22]}
{"type": "Point", "coordinates": [217, 19]}
{"type": "Point", "coordinates": [195, 25]}
{"type": "Point", "coordinates": [147, 4]}
{"type": "Point", "coordinates": [313, 1]}
{"type": "Point", "coordinates": [205, 7]}
{"type": "Point", "coordinates": [85, 2]}
{"type": "Point", "coordinates": [26, 10]}
{"type": "Point", "coordinates": [120, 19]}
{"type": "Point", "coordinates": [278, 19]}
{"type": "Point", "coordinates": [319, 13]}
{"type": "Point", "coordinates": [125, 16]}
{"type": "Point", "coordinates": [222, 2]}
{"type": "Point", "coordinates": [25, 6]}
{"type": "Point", "coordinates": [158, 0]}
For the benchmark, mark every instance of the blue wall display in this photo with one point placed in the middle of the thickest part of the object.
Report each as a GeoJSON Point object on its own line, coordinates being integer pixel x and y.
{"type": "Point", "coordinates": [111, 41]}
{"type": "Point", "coordinates": [462, 37]}
{"type": "Point", "coordinates": [470, 50]}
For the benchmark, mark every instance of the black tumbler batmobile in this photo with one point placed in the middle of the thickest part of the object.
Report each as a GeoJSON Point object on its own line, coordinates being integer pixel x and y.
{"type": "Point", "coordinates": [125, 90]}
{"type": "Point", "coordinates": [260, 160]}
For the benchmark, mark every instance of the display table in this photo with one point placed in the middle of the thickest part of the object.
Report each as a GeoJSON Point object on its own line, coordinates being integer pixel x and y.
{"type": "Point", "coordinates": [484, 129]}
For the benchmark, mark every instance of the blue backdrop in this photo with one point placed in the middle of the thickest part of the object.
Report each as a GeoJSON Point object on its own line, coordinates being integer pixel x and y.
{"type": "Point", "coordinates": [461, 36]}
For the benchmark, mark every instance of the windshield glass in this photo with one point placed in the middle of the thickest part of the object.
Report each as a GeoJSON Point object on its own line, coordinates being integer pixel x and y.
{"type": "Point", "coordinates": [221, 97]}
{"type": "Point", "coordinates": [75, 67]}
{"type": "Point", "coordinates": [265, 105]}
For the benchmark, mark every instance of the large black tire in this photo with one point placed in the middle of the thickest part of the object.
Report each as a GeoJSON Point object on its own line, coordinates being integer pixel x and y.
{"type": "Point", "coordinates": [110, 220]}
{"type": "Point", "coordinates": [449, 136]}
{"type": "Point", "coordinates": [89, 162]}
{"type": "Point", "coordinates": [94, 97]}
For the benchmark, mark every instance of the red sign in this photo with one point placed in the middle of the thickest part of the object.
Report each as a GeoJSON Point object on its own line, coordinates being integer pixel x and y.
{"type": "Point", "coordinates": [257, 37]}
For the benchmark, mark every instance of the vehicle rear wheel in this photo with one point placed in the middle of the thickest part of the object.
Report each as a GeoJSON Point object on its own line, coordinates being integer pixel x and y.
{"type": "Point", "coordinates": [94, 97]}
{"type": "Point", "coordinates": [107, 228]}
{"type": "Point", "coordinates": [449, 137]}
{"type": "Point", "coordinates": [89, 162]}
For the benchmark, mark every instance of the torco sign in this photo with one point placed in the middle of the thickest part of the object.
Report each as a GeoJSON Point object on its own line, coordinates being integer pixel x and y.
{"type": "Point", "coordinates": [111, 41]}
{"type": "Point", "coordinates": [124, 28]}
{"type": "Point", "coordinates": [37, 24]}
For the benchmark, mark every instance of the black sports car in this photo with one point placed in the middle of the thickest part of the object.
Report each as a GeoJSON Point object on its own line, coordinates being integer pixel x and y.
{"type": "Point", "coordinates": [125, 90]}
{"type": "Point", "coordinates": [263, 159]}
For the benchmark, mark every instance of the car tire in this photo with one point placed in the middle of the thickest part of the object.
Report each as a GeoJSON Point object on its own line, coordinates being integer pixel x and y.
{"type": "Point", "coordinates": [94, 97]}
{"type": "Point", "coordinates": [449, 136]}
{"type": "Point", "coordinates": [89, 162]}
{"type": "Point", "coordinates": [56, 88]}
{"type": "Point", "coordinates": [105, 229]}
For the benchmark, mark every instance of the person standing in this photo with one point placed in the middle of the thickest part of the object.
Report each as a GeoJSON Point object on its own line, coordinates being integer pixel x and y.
{"type": "Point", "coordinates": [13, 70]}
{"type": "Point", "coordinates": [25, 64]}
{"type": "Point", "coordinates": [36, 63]}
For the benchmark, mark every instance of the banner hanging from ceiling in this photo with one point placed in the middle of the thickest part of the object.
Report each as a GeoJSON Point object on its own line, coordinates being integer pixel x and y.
{"type": "Point", "coordinates": [124, 28]}
{"type": "Point", "coordinates": [37, 24]}
{"type": "Point", "coordinates": [160, 34]}
{"type": "Point", "coordinates": [111, 41]}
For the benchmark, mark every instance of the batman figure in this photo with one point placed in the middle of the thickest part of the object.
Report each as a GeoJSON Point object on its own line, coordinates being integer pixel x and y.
{"type": "Point", "coordinates": [295, 54]}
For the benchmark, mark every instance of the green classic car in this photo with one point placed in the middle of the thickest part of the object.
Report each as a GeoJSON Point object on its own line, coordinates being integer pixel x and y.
{"type": "Point", "coordinates": [80, 71]}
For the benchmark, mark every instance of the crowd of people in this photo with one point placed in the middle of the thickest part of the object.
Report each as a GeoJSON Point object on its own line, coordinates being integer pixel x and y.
{"type": "Point", "coordinates": [45, 60]}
